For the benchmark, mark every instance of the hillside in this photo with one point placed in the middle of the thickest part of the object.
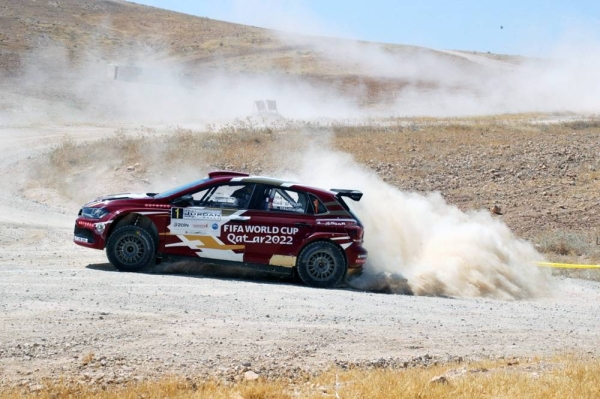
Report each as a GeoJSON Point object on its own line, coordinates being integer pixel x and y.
{"type": "Point", "coordinates": [57, 37]}
{"type": "Point", "coordinates": [114, 28]}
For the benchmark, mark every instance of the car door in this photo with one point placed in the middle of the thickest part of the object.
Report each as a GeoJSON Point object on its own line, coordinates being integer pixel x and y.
{"type": "Point", "coordinates": [196, 228]}
{"type": "Point", "coordinates": [275, 228]}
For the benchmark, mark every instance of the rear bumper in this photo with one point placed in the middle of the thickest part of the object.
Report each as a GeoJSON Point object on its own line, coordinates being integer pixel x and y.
{"type": "Point", "coordinates": [356, 256]}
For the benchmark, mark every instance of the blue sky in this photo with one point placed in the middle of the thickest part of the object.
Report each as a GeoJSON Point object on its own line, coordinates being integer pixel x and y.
{"type": "Point", "coordinates": [526, 27]}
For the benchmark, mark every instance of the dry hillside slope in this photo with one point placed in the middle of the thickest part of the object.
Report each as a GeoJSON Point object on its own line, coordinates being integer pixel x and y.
{"type": "Point", "coordinates": [105, 31]}
{"type": "Point", "coordinates": [118, 27]}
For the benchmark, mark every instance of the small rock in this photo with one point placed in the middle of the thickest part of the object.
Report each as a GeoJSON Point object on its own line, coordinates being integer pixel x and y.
{"type": "Point", "coordinates": [130, 168]}
{"type": "Point", "coordinates": [250, 376]}
{"type": "Point", "coordinates": [496, 210]}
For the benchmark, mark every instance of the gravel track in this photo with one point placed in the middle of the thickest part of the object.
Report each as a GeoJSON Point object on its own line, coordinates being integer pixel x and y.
{"type": "Point", "coordinates": [59, 303]}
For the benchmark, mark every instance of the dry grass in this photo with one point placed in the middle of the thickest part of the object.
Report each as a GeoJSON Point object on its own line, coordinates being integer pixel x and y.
{"type": "Point", "coordinates": [572, 247]}
{"type": "Point", "coordinates": [566, 243]}
{"type": "Point", "coordinates": [582, 124]}
{"type": "Point", "coordinates": [551, 378]}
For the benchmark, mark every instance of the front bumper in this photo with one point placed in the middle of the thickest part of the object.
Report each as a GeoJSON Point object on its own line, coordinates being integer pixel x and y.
{"type": "Point", "coordinates": [90, 233]}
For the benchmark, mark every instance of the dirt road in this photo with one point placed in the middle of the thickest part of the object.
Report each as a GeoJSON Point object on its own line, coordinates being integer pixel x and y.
{"type": "Point", "coordinates": [65, 311]}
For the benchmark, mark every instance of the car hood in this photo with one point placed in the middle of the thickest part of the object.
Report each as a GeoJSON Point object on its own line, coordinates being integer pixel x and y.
{"type": "Point", "coordinates": [115, 197]}
{"type": "Point", "coordinates": [123, 196]}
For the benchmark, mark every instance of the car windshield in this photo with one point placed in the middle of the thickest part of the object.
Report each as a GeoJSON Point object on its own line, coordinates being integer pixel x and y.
{"type": "Point", "coordinates": [175, 190]}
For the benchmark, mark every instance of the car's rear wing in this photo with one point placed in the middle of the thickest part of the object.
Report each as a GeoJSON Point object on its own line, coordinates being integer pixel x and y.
{"type": "Point", "coordinates": [352, 194]}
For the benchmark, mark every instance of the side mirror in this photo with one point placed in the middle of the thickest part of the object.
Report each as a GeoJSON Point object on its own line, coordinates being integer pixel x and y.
{"type": "Point", "coordinates": [184, 201]}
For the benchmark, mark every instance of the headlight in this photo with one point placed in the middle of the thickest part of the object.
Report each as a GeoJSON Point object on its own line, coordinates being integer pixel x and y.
{"type": "Point", "coordinates": [100, 227]}
{"type": "Point", "coordinates": [93, 213]}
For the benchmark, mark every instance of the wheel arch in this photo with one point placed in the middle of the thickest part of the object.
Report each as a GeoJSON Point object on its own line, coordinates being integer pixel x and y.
{"type": "Point", "coordinates": [135, 219]}
{"type": "Point", "coordinates": [321, 239]}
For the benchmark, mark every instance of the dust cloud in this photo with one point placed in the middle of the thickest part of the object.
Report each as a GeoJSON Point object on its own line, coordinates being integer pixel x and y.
{"type": "Point", "coordinates": [53, 89]}
{"type": "Point", "coordinates": [436, 247]}
{"type": "Point", "coordinates": [412, 81]}
{"type": "Point", "coordinates": [442, 83]}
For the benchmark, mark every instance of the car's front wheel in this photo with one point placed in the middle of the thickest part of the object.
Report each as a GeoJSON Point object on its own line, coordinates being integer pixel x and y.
{"type": "Point", "coordinates": [321, 264]}
{"type": "Point", "coordinates": [130, 248]}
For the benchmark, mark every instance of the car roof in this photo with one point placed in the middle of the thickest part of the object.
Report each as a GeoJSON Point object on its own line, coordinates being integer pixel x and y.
{"type": "Point", "coordinates": [227, 176]}
{"type": "Point", "coordinates": [233, 176]}
{"type": "Point", "coordinates": [264, 180]}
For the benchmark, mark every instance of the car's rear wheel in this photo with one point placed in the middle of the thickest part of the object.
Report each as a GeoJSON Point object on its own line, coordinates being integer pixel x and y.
{"type": "Point", "coordinates": [321, 264]}
{"type": "Point", "coordinates": [130, 248]}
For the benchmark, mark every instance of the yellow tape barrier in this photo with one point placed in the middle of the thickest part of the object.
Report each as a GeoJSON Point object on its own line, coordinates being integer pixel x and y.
{"type": "Point", "coordinates": [567, 265]}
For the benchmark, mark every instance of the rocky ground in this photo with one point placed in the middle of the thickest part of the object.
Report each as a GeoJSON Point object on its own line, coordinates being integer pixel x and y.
{"type": "Point", "coordinates": [65, 312]}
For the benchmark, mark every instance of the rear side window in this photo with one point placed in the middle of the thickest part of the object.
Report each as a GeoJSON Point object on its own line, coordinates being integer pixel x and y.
{"type": "Point", "coordinates": [317, 206]}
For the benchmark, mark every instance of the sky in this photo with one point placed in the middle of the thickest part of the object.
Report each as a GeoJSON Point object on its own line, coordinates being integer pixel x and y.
{"type": "Point", "coordinates": [523, 27]}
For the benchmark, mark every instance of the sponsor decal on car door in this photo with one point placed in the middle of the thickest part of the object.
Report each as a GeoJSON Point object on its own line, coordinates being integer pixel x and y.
{"type": "Point", "coordinates": [275, 233]}
{"type": "Point", "coordinates": [197, 231]}
{"type": "Point", "coordinates": [271, 238]}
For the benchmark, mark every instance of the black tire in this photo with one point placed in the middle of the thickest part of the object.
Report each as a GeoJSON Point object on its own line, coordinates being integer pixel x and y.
{"type": "Point", "coordinates": [130, 248]}
{"type": "Point", "coordinates": [321, 264]}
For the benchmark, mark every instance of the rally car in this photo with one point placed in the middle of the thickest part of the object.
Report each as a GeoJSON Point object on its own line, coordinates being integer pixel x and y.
{"type": "Point", "coordinates": [231, 218]}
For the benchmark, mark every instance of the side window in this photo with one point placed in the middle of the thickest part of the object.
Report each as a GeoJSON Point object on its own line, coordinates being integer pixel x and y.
{"type": "Point", "coordinates": [282, 200]}
{"type": "Point", "coordinates": [225, 196]}
{"type": "Point", "coordinates": [317, 206]}
{"type": "Point", "coordinates": [200, 194]}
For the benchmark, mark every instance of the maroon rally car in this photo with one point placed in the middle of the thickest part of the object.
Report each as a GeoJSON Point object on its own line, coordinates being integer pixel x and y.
{"type": "Point", "coordinates": [231, 218]}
